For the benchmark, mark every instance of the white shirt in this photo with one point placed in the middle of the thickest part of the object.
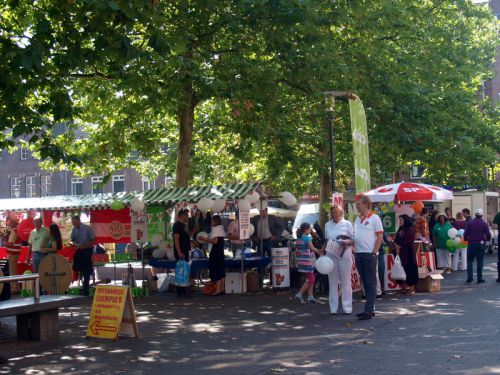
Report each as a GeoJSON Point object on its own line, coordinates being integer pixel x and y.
{"type": "Point", "coordinates": [365, 232]}
{"type": "Point", "coordinates": [333, 229]}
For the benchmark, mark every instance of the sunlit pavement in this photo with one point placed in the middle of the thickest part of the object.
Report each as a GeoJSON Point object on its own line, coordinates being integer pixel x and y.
{"type": "Point", "coordinates": [456, 331]}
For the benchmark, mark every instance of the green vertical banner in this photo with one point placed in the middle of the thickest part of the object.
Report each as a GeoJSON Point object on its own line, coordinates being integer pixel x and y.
{"type": "Point", "coordinates": [360, 144]}
{"type": "Point", "coordinates": [156, 217]}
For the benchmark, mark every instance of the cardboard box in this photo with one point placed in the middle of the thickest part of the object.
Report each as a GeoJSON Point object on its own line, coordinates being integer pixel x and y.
{"type": "Point", "coordinates": [233, 282]}
{"type": "Point", "coordinates": [431, 283]}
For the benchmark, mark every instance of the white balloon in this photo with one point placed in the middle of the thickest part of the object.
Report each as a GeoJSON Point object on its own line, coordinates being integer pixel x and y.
{"type": "Point", "coordinates": [205, 204]}
{"type": "Point", "coordinates": [253, 197]}
{"type": "Point", "coordinates": [457, 240]}
{"type": "Point", "coordinates": [324, 265]}
{"type": "Point", "coordinates": [157, 238]}
{"type": "Point", "coordinates": [163, 245]}
{"type": "Point", "coordinates": [251, 230]}
{"type": "Point", "coordinates": [137, 205]}
{"type": "Point", "coordinates": [452, 232]}
{"type": "Point", "coordinates": [288, 198]}
{"type": "Point", "coordinates": [244, 206]}
{"type": "Point", "coordinates": [219, 205]}
{"type": "Point", "coordinates": [461, 232]}
{"type": "Point", "coordinates": [159, 253]}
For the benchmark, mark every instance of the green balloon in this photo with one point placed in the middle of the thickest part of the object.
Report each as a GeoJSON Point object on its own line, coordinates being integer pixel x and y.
{"type": "Point", "coordinates": [450, 243]}
{"type": "Point", "coordinates": [117, 205]}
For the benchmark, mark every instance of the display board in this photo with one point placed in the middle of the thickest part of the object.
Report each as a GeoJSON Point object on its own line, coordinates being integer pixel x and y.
{"type": "Point", "coordinates": [112, 313]}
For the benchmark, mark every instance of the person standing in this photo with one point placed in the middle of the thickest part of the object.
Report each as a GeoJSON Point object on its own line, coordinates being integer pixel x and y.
{"type": "Point", "coordinates": [233, 234]}
{"type": "Point", "coordinates": [182, 243]}
{"type": "Point", "coordinates": [460, 255]}
{"type": "Point", "coordinates": [216, 257]}
{"type": "Point", "coordinates": [476, 233]}
{"type": "Point", "coordinates": [466, 213]}
{"type": "Point", "coordinates": [496, 221]}
{"type": "Point", "coordinates": [449, 215]}
{"type": "Point", "coordinates": [339, 229]}
{"type": "Point", "coordinates": [304, 252]}
{"type": "Point", "coordinates": [38, 240]}
{"type": "Point", "coordinates": [55, 240]}
{"type": "Point", "coordinates": [440, 236]}
{"type": "Point", "coordinates": [405, 248]}
{"type": "Point", "coordinates": [268, 229]}
{"type": "Point", "coordinates": [83, 238]}
{"type": "Point", "coordinates": [13, 246]}
{"type": "Point", "coordinates": [368, 237]}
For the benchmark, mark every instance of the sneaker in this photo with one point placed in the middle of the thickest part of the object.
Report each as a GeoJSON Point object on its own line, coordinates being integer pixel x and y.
{"type": "Point", "coordinates": [311, 300]}
{"type": "Point", "coordinates": [481, 281]}
{"type": "Point", "coordinates": [347, 313]}
{"type": "Point", "coordinates": [3, 359]}
{"type": "Point", "coordinates": [468, 281]}
{"type": "Point", "coordinates": [365, 316]}
{"type": "Point", "coordinates": [299, 298]}
{"type": "Point", "coordinates": [333, 313]}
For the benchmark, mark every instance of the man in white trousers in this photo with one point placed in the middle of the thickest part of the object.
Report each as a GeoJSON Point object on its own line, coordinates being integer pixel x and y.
{"type": "Point", "coordinates": [339, 235]}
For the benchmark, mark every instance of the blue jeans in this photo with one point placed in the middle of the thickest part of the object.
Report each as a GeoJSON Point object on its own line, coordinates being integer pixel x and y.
{"type": "Point", "coordinates": [37, 258]}
{"type": "Point", "coordinates": [366, 263]}
{"type": "Point", "coordinates": [267, 245]}
{"type": "Point", "coordinates": [475, 250]}
{"type": "Point", "coordinates": [381, 267]}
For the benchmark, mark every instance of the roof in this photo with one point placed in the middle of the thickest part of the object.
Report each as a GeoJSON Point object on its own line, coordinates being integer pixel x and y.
{"type": "Point", "coordinates": [162, 196]}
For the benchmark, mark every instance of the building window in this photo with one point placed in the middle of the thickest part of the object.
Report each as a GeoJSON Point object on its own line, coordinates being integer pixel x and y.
{"type": "Point", "coordinates": [24, 153]}
{"type": "Point", "coordinates": [169, 182]}
{"type": "Point", "coordinates": [31, 187]}
{"type": "Point", "coordinates": [97, 185]}
{"type": "Point", "coordinates": [76, 186]}
{"type": "Point", "coordinates": [46, 183]}
{"type": "Point", "coordinates": [118, 183]}
{"type": "Point", "coordinates": [148, 184]}
{"type": "Point", "coordinates": [15, 187]}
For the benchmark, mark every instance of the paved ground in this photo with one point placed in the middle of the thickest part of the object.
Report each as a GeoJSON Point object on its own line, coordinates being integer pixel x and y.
{"type": "Point", "coordinates": [456, 331]}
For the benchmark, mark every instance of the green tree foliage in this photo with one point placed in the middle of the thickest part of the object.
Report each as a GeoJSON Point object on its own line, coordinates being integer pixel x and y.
{"type": "Point", "coordinates": [217, 91]}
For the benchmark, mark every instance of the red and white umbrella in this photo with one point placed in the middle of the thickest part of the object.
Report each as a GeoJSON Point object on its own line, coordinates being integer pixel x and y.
{"type": "Point", "coordinates": [408, 191]}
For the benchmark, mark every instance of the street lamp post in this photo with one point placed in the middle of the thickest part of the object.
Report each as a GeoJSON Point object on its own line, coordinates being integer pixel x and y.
{"type": "Point", "coordinates": [330, 110]}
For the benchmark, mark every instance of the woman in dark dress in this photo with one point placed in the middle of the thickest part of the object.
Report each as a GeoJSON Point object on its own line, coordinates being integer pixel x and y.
{"type": "Point", "coordinates": [216, 257]}
{"type": "Point", "coordinates": [405, 248]}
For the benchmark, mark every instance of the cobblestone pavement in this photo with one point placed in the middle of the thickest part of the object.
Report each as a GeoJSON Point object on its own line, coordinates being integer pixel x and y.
{"type": "Point", "coordinates": [455, 331]}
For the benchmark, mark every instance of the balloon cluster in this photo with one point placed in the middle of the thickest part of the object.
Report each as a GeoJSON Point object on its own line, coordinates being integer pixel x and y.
{"type": "Point", "coordinates": [456, 240]}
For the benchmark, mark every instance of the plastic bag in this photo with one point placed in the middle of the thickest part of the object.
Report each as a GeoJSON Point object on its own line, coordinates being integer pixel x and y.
{"type": "Point", "coordinates": [182, 273]}
{"type": "Point", "coordinates": [398, 272]}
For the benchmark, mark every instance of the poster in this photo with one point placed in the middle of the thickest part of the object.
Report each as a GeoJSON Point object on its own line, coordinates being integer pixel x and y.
{"type": "Point", "coordinates": [389, 222]}
{"type": "Point", "coordinates": [338, 199]}
{"type": "Point", "coordinates": [110, 226]}
{"type": "Point", "coordinates": [281, 267]}
{"type": "Point", "coordinates": [139, 231]}
{"type": "Point", "coordinates": [244, 225]}
{"type": "Point", "coordinates": [355, 279]}
{"type": "Point", "coordinates": [157, 221]}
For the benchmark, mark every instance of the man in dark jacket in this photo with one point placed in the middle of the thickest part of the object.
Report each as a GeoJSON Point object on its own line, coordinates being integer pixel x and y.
{"type": "Point", "coordinates": [268, 229]}
{"type": "Point", "coordinates": [476, 233]}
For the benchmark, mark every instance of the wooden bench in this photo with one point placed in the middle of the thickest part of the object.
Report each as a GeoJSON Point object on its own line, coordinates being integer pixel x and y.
{"type": "Point", "coordinates": [37, 318]}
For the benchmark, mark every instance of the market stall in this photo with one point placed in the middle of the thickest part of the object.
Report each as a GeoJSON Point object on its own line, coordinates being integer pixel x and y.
{"type": "Point", "coordinates": [407, 198]}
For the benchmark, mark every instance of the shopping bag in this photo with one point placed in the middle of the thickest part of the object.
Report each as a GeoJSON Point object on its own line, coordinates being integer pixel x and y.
{"type": "Point", "coordinates": [182, 273]}
{"type": "Point", "coordinates": [398, 272]}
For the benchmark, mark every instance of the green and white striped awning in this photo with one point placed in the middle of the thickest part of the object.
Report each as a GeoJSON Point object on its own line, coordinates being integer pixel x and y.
{"type": "Point", "coordinates": [194, 194]}
{"type": "Point", "coordinates": [162, 196]}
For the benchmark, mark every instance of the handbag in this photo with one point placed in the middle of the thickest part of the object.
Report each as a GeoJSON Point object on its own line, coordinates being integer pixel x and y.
{"type": "Point", "coordinates": [398, 272]}
{"type": "Point", "coordinates": [182, 273]}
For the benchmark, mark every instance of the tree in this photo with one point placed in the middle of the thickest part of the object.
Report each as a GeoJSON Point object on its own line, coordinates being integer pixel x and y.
{"type": "Point", "coordinates": [230, 90]}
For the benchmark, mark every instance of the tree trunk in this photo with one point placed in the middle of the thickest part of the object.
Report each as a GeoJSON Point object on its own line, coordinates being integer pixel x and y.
{"type": "Point", "coordinates": [186, 121]}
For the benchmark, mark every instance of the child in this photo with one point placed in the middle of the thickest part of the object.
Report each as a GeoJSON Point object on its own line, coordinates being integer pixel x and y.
{"type": "Point", "coordinates": [305, 261]}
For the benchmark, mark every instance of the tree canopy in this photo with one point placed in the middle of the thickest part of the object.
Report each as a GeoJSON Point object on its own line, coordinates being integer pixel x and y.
{"type": "Point", "coordinates": [217, 91]}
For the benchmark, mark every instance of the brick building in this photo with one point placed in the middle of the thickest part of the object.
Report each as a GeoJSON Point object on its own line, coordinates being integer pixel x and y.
{"type": "Point", "coordinates": [21, 176]}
